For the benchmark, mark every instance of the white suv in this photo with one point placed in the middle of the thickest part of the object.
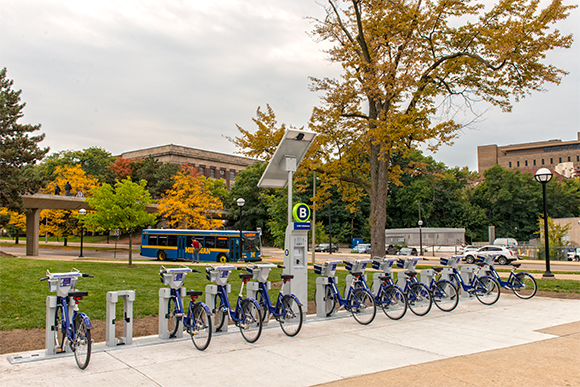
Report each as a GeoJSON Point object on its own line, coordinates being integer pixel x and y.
{"type": "Point", "coordinates": [574, 254]}
{"type": "Point", "coordinates": [504, 255]}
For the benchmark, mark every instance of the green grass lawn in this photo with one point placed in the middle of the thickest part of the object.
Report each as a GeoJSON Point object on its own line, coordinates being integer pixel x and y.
{"type": "Point", "coordinates": [23, 296]}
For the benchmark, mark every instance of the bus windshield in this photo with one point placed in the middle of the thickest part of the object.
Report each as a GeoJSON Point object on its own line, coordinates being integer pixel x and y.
{"type": "Point", "coordinates": [251, 244]}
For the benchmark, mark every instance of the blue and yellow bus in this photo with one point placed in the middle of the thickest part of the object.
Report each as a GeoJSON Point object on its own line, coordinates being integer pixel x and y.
{"type": "Point", "coordinates": [216, 246]}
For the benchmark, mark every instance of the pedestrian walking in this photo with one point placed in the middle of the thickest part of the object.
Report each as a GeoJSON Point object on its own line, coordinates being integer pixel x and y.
{"type": "Point", "coordinates": [67, 189]}
{"type": "Point", "coordinates": [196, 247]}
{"type": "Point", "coordinates": [57, 190]}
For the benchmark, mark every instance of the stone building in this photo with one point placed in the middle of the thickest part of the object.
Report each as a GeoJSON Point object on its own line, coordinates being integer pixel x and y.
{"type": "Point", "coordinates": [560, 156]}
{"type": "Point", "coordinates": [210, 164]}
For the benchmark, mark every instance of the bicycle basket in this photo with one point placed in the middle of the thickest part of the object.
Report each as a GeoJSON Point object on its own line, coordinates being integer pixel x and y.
{"type": "Point", "coordinates": [261, 272]}
{"type": "Point", "coordinates": [328, 268]}
{"type": "Point", "coordinates": [444, 261]}
{"type": "Point", "coordinates": [487, 259]}
{"type": "Point", "coordinates": [63, 283]}
{"type": "Point", "coordinates": [358, 265]}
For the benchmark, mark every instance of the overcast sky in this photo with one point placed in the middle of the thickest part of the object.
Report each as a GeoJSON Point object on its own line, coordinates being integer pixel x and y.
{"type": "Point", "coordinates": [126, 75]}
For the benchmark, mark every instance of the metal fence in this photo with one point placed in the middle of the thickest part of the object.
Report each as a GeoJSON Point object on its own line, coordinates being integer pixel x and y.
{"type": "Point", "coordinates": [537, 252]}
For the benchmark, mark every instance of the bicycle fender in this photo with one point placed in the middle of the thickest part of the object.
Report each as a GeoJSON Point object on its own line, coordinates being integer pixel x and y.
{"type": "Point", "coordinates": [86, 320]}
{"type": "Point", "coordinates": [295, 299]}
{"type": "Point", "coordinates": [254, 301]}
{"type": "Point", "coordinates": [206, 308]}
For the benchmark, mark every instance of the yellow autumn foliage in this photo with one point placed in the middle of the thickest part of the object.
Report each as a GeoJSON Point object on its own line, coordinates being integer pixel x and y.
{"type": "Point", "coordinates": [189, 203]}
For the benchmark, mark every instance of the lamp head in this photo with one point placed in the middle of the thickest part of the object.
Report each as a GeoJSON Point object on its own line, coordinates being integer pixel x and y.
{"type": "Point", "coordinates": [543, 175]}
{"type": "Point", "coordinates": [420, 223]}
{"type": "Point", "coordinates": [82, 211]}
{"type": "Point", "coordinates": [240, 202]}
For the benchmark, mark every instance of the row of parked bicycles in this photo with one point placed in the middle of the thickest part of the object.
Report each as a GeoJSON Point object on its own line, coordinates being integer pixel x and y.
{"type": "Point", "coordinates": [249, 314]}
{"type": "Point", "coordinates": [443, 287]}
{"type": "Point", "coordinates": [72, 327]}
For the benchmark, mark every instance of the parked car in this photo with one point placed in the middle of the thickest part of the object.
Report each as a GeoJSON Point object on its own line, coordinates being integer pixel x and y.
{"type": "Point", "coordinates": [504, 255]}
{"type": "Point", "coordinates": [325, 248]}
{"type": "Point", "coordinates": [574, 254]}
{"type": "Point", "coordinates": [407, 251]}
{"type": "Point", "coordinates": [361, 248]}
{"type": "Point", "coordinates": [391, 250]}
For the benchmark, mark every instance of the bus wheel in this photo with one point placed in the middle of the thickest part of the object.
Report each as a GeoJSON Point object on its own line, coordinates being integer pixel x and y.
{"type": "Point", "coordinates": [222, 258]}
{"type": "Point", "coordinates": [161, 255]}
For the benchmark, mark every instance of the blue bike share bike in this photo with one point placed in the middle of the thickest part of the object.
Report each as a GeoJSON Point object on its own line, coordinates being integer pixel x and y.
{"type": "Point", "coordinates": [388, 296]}
{"type": "Point", "coordinates": [70, 329]}
{"type": "Point", "coordinates": [485, 288]}
{"type": "Point", "coordinates": [359, 301]}
{"type": "Point", "coordinates": [522, 284]}
{"type": "Point", "coordinates": [197, 320]}
{"type": "Point", "coordinates": [246, 315]}
{"type": "Point", "coordinates": [288, 309]}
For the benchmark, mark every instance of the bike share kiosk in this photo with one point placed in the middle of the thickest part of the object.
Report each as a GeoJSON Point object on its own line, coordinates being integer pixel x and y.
{"type": "Point", "coordinates": [128, 297]}
{"type": "Point", "coordinates": [278, 174]}
{"type": "Point", "coordinates": [174, 278]}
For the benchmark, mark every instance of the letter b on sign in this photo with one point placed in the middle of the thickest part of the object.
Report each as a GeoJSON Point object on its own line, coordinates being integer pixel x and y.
{"type": "Point", "coordinates": [301, 212]}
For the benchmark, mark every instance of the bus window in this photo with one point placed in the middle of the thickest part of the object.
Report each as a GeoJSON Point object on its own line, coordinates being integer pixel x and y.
{"type": "Point", "coordinates": [251, 244]}
{"type": "Point", "coordinates": [222, 243]}
{"type": "Point", "coordinates": [200, 240]}
{"type": "Point", "coordinates": [162, 240]}
{"type": "Point", "coordinates": [209, 242]}
{"type": "Point", "coordinates": [188, 241]}
{"type": "Point", "coordinates": [152, 240]}
{"type": "Point", "coordinates": [172, 240]}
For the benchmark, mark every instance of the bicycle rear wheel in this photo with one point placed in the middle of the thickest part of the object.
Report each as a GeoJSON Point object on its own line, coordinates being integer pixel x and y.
{"type": "Point", "coordinates": [83, 344]}
{"type": "Point", "coordinates": [487, 290]}
{"type": "Point", "coordinates": [290, 316]}
{"type": "Point", "coordinates": [393, 302]}
{"type": "Point", "coordinates": [419, 299]}
{"type": "Point", "coordinates": [173, 318]}
{"type": "Point", "coordinates": [219, 313]}
{"type": "Point", "coordinates": [201, 321]}
{"type": "Point", "coordinates": [264, 312]}
{"type": "Point", "coordinates": [524, 285]}
{"type": "Point", "coordinates": [362, 306]}
{"type": "Point", "coordinates": [251, 325]}
{"type": "Point", "coordinates": [59, 330]}
{"type": "Point", "coordinates": [444, 293]}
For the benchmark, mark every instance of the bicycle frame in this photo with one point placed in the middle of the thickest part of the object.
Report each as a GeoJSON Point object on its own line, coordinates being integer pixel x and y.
{"type": "Point", "coordinates": [467, 287]}
{"type": "Point", "coordinates": [383, 286]}
{"type": "Point", "coordinates": [67, 321]}
{"type": "Point", "coordinates": [183, 317]}
{"type": "Point", "coordinates": [343, 302]}
{"type": "Point", "coordinates": [232, 313]}
{"type": "Point", "coordinates": [278, 306]}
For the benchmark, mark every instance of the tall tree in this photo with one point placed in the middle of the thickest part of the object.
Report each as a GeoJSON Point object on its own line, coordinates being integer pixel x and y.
{"type": "Point", "coordinates": [123, 207]}
{"type": "Point", "coordinates": [400, 59]}
{"type": "Point", "coordinates": [18, 149]}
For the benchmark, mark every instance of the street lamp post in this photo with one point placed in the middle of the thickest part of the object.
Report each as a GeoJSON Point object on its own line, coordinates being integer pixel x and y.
{"type": "Point", "coordinates": [420, 223]}
{"type": "Point", "coordinates": [240, 202]}
{"type": "Point", "coordinates": [82, 212]}
{"type": "Point", "coordinates": [543, 175]}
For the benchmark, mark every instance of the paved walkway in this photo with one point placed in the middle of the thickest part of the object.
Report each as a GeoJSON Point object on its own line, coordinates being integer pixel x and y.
{"type": "Point", "coordinates": [514, 342]}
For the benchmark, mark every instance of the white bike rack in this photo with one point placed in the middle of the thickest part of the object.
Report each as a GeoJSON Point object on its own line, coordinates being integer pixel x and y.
{"type": "Point", "coordinates": [164, 296]}
{"type": "Point", "coordinates": [408, 264]}
{"type": "Point", "coordinates": [447, 272]}
{"type": "Point", "coordinates": [385, 265]}
{"type": "Point", "coordinates": [426, 276]}
{"type": "Point", "coordinates": [50, 328]}
{"type": "Point", "coordinates": [128, 297]}
{"type": "Point", "coordinates": [211, 292]}
{"type": "Point", "coordinates": [321, 283]}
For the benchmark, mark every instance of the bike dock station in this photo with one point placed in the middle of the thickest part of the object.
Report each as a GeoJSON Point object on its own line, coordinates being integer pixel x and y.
{"type": "Point", "coordinates": [385, 266]}
{"type": "Point", "coordinates": [260, 273]}
{"type": "Point", "coordinates": [326, 270]}
{"type": "Point", "coordinates": [174, 278]}
{"type": "Point", "coordinates": [466, 273]}
{"type": "Point", "coordinates": [406, 264]}
{"type": "Point", "coordinates": [220, 276]}
{"type": "Point", "coordinates": [355, 266]}
{"type": "Point", "coordinates": [128, 297]}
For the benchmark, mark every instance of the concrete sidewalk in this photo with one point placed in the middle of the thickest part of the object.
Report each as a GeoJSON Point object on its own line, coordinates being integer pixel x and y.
{"type": "Point", "coordinates": [514, 342]}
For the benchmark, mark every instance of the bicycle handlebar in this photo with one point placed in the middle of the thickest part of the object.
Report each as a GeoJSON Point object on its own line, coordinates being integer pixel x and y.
{"type": "Point", "coordinates": [44, 278]}
{"type": "Point", "coordinates": [281, 266]}
{"type": "Point", "coordinates": [88, 275]}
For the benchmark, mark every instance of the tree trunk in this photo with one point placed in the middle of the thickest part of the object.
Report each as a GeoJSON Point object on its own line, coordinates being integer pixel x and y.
{"type": "Point", "coordinates": [378, 198]}
{"type": "Point", "coordinates": [130, 248]}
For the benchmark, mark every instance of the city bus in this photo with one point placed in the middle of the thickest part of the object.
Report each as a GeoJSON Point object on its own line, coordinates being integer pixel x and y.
{"type": "Point", "coordinates": [216, 245]}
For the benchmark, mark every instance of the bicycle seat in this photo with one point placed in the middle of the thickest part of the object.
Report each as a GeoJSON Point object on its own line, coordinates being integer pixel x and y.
{"type": "Point", "coordinates": [437, 269]}
{"type": "Point", "coordinates": [516, 265]}
{"type": "Point", "coordinates": [286, 276]}
{"type": "Point", "coordinates": [411, 273]}
{"type": "Point", "coordinates": [480, 264]}
{"type": "Point", "coordinates": [78, 293]}
{"type": "Point", "coordinates": [192, 292]}
{"type": "Point", "coordinates": [246, 275]}
{"type": "Point", "coordinates": [356, 273]}
{"type": "Point", "coordinates": [385, 277]}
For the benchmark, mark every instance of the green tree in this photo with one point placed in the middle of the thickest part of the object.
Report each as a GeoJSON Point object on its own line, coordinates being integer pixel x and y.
{"type": "Point", "coordinates": [93, 160]}
{"type": "Point", "coordinates": [18, 149]}
{"type": "Point", "coordinates": [159, 176]}
{"type": "Point", "coordinates": [399, 60]}
{"type": "Point", "coordinates": [123, 208]}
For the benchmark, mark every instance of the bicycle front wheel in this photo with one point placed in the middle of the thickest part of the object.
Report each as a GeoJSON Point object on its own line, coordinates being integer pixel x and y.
{"type": "Point", "coordinates": [59, 330]}
{"type": "Point", "coordinates": [329, 301]}
{"type": "Point", "coordinates": [251, 324]}
{"type": "Point", "coordinates": [419, 299]}
{"type": "Point", "coordinates": [83, 343]}
{"type": "Point", "coordinates": [264, 312]}
{"type": "Point", "coordinates": [362, 306]}
{"type": "Point", "coordinates": [200, 331]}
{"type": "Point", "coordinates": [444, 293]}
{"type": "Point", "coordinates": [487, 290]}
{"type": "Point", "coordinates": [172, 317]}
{"type": "Point", "coordinates": [524, 285]}
{"type": "Point", "coordinates": [219, 313]}
{"type": "Point", "coordinates": [393, 302]}
{"type": "Point", "coordinates": [290, 316]}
